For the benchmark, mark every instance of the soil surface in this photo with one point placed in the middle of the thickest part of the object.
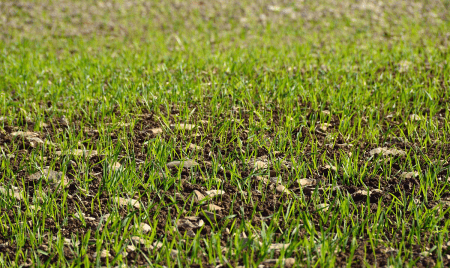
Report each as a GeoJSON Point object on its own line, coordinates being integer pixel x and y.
{"type": "Point", "coordinates": [188, 202]}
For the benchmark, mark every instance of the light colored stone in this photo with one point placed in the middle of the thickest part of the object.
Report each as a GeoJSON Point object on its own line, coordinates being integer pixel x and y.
{"type": "Point", "coordinates": [63, 121]}
{"type": "Point", "coordinates": [426, 254]}
{"type": "Point", "coordinates": [56, 178]}
{"type": "Point", "coordinates": [103, 254]}
{"type": "Point", "coordinates": [281, 189]}
{"type": "Point", "coordinates": [81, 216]}
{"type": "Point", "coordinates": [106, 217]}
{"type": "Point", "coordinates": [269, 262]}
{"type": "Point", "coordinates": [212, 207]}
{"type": "Point", "coordinates": [289, 262]}
{"type": "Point", "coordinates": [119, 124]}
{"type": "Point", "coordinates": [156, 130]}
{"type": "Point", "coordinates": [330, 167]}
{"type": "Point", "coordinates": [415, 117]}
{"type": "Point", "coordinates": [31, 137]}
{"type": "Point", "coordinates": [190, 223]}
{"type": "Point", "coordinates": [190, 233]}
{"type": "Point", "coordinates": [78, 152]}
{"type": "Point", "coordinates": [278, 246]}
{"type": "Point", "coordinates": [324, 126]}
{"type": "Point", "coordinates": [69, 242]}
{"type": "Point", "coordinates": [174, 253]}
{"type": "Point", "coordinates": [409, 175]}
{"type": "Point", "coordinates": [7, 156]}
{"type": "Point", "coordinates": [211, 215]}
{"type": "Point", "coordinates": [386, 152]}
{"type": "Point", "coordinates": [306, 182]}
{"type": "Point", "coordinates": [213, 193]}
{"type": "Point", "coordinates": [260, 165]}
{"type": "Point", "coordinates": [131, 248]}
{"type": "Point", "coordinates": [376, 191]}
{"type": "Point", "coordinates": [262, 179]}
{"type": "Point", "coordinates": [138, 240]}
{"type": "Point", "coordinates": [185, 164]}
{"type": "Point", "coordinates": [275, 180]}
{"type": "Point", "coordinates": [34, 141]}
{"type": "Point", "coordinates": [158, 245]}
{"type": "Point", "coordinates": [185, 224]}
{"type": "Point", "coordinates": [11, 192]}
{"type": "Point", "coordinates": [181, 127]}
{"type": "Point", "coordinates": [124, 202]}
{"type": "Point", "coordinates": [116, 166]}
{"type": "Point", "coordinates": [144, 228]}
{"type": "Point", "coordinates": [361, 192]}
{"type": "Point", "coordinates": [344, 145]}
{"type": "Point", "coordinates": [322, 207]}
{"type": "Point", "coordinates": [198, 196]}
{"type": "Point", "coordinates": [194, 147]}
{"type": "Point", "coordinates": [179, 197]}
{"type": "Point", "coordinates": [26, 134]}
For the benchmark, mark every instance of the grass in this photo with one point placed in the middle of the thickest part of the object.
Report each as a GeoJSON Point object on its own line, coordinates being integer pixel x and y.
{"type": "Point", "coordinates": [278, 92]}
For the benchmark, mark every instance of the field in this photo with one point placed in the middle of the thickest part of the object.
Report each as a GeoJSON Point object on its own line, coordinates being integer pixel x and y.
{"type": "Point", "coordinates": [224, 133]}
